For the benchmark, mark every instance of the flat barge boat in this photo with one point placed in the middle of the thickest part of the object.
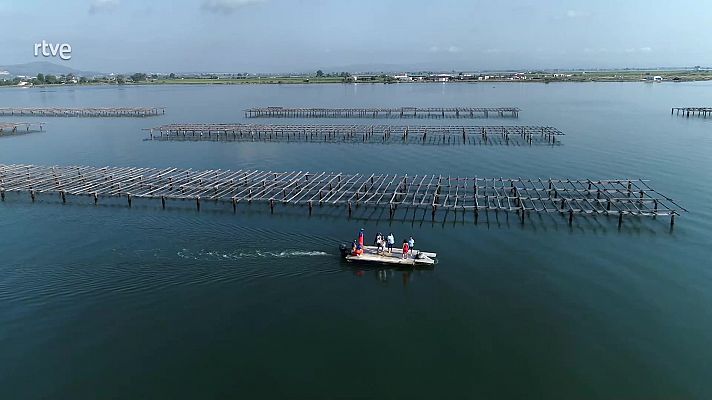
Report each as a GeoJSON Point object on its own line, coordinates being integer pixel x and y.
{"type": "Point", "coordinates": [373, 256]}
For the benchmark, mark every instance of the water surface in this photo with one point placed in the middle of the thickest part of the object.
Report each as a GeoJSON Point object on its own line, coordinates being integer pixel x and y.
{"type": "Point", "coordinates": [147, 303]}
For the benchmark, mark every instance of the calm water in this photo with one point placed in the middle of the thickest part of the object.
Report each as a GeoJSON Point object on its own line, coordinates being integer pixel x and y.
{"type": "Point", "coordinates": [102, 302]}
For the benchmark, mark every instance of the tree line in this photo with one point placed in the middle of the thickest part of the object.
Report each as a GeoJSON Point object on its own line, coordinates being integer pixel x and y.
{"type": "Point", "coordinates": [51, 79]}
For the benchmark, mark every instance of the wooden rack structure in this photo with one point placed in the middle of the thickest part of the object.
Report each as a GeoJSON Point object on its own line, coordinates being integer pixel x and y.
{"type": "Point", "coordinates": [687, 111]}
{"type": "Point", "coordinates": [441, 135]}
{"type": "Point", "coordinates": [615, 197]}
{"type": "Point", "coordinates": [83, 112]}
{"type": "Point", "coordinates": [399, 112]}
{"type": "Point", "coordinates": [20, 127]}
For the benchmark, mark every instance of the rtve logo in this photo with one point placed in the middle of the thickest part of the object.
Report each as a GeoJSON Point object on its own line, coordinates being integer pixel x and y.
{"type": "Point", "coordinates": [64, 50]}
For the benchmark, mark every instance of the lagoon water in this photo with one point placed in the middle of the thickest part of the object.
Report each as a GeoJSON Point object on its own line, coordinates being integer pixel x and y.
{"type": "Point", "coordinates": [112, 302]}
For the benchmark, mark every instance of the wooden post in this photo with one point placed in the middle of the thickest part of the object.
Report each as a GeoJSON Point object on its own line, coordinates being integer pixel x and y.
{"type": "Point", "coordinates": [629, 188]}
{"type": "Point", "coordinates": [197, 203]}
{"type": "Point", "coordinates": [128, 198]}
{"type": "Point", "coordinates": [163, 202]}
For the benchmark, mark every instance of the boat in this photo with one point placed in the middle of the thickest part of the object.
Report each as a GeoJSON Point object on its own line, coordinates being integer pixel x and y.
{"type": "Point", "coordinates": [372, 255]}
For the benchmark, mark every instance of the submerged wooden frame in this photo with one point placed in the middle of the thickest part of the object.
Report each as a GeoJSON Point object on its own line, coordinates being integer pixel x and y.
{"type": "Point", "coordinates": [613, 197]}
{"type": "Point", "coordinates": [420, 134]}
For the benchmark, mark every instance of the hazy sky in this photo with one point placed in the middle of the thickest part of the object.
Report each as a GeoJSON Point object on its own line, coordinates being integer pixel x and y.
{"type": "Point", "coordinates": [303, 35]}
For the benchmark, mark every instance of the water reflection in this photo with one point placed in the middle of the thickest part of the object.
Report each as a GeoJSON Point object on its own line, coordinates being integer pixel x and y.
{"type": "Point", "coordinates": [386, 275]}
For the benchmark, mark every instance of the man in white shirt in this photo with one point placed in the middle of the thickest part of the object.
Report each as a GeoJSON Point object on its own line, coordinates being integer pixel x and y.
{"type": "Point", "coordinates": [391, 241]}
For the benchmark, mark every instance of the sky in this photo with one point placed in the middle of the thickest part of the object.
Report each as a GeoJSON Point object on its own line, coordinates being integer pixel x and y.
{"type": "Point", "coordinates": [350, 35]}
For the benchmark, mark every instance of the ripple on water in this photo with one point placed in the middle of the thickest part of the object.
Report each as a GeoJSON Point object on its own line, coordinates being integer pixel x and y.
{"type": "Point", "coordinates": [208, 255]}
{"type": "Point", "coordinates": [136, 267]}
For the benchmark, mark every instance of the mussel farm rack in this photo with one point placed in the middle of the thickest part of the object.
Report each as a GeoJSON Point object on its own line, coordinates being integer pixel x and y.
{"type": "Point", "coordinates": [694, 111]}
{"type": "Point", "coordinates": [570, 197]}
{"type": "Point", "coordinates": [20, 127]}
{"type": "Point", "coordinates": [83, 112]}
{"type": "Point", "coordinates": [442, 135]}
{"type": "Point", "coordinates": [399, 112]}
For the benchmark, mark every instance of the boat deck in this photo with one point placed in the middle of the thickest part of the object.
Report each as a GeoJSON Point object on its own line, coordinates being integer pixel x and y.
{"type": "Point", "coordinates": [370, 255]}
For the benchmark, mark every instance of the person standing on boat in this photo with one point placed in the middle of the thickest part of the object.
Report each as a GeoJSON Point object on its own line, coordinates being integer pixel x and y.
{"type": "Point", "coordinates": [380, 244]}
{"type": "Point", "coordinates": [360, 237]}
{"type": "Point", "coordinates": [391, 240]}
{"type": "Point", "coordinates": [356, 249]}
{"type": "Point", "coordinates": [411, 243]}
{"type": "Point", "coordinates": [405, 249]}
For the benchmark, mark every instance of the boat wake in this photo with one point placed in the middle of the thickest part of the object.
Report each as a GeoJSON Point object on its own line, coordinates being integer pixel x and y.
{"type": "Point", "coordinates": [207, 255]}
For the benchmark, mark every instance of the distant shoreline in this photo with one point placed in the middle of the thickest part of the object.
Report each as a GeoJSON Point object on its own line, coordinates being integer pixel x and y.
{"type": "Point", "coordinates": [665, 78]}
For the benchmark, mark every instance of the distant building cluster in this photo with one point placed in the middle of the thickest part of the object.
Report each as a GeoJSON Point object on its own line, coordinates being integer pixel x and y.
{"type": "Point", "coordinates": [460, 77]}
